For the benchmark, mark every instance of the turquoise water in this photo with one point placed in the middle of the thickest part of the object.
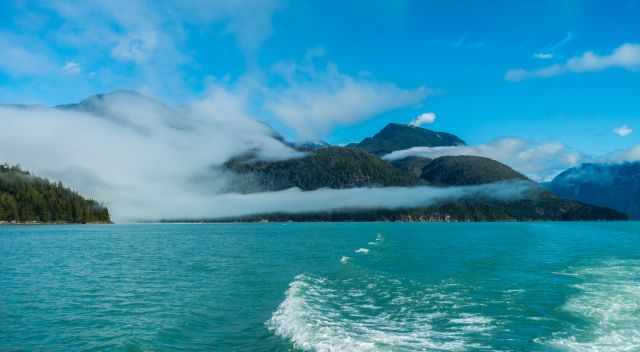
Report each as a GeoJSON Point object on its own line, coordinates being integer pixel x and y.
{"type": "Point", "coordinates": [321, 287]}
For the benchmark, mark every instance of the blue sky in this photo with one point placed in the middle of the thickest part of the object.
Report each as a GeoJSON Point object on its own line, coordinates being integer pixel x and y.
{"type": "Point", "coordinates": [561, 71]}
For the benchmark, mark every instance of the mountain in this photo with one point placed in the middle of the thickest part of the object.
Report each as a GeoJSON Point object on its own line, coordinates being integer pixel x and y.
{"type": "Point", "coordinates": [396, 136]}
{"type": "Point", "coordinates": [130, 109]}
{"type": "Point", "coordinates": [616, 186]}
{"type": "Point", "coordinates": [332, 167]}
{"type": "Point", "coordinates": [25, 198]}
{"type": "Point", "coordinates": [412, 164]}
{"type": "Point", "coordinates": [340, 167]}
{"type": "Point", "coordinates": [467, 170]}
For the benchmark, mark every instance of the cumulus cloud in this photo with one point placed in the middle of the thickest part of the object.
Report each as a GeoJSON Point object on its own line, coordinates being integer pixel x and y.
{"type": "Point", "coordinates": [539, 161]}
{"type": "Point", "coordinates": [314, 101]}
{"type": "Point", "coordinates": [426, 118]}
{"type": "Point", "coordinates": [626, 56]}
{"type": "Point", "coordinates": [623, 130]}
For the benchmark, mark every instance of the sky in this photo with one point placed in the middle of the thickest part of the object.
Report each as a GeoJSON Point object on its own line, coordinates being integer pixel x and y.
{"type": "Point", "coordinates": [556, 74]}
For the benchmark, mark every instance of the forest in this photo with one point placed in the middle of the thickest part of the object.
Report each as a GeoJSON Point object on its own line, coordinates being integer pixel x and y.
{"type": "Point", "coordinates": [25, 198]}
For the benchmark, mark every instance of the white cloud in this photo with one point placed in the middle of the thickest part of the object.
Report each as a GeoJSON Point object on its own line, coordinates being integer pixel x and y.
{"type": "Point", "coordinates": [543, 56]}
{"type": "Point", "coordinates": [626, 56]}
{"type": "Point", "coordinates": [250, 22]}
{"type": "Point", "coordinates": [549, 52]}
{"type": "Point", "coordinates": [620, 156]}
{"type": "Point", "coordinates": [461, 42]}
{"type": "Point", "coordinates": [312, 102]}
{"type": "Point", "coordinates": [539, 161]}
{"type": "Point", "coordinates": [135, 47]}
{"type": "Point", "coordinates": [296, 201]}
{"type": "Point", "coordinates": [22, 56]}
{"type": "Point", "coordinates": [623, 130]}
{"type": "Point", "coordinates": [136, 154]}
{"type": "Point", "coordinates": [424, 118]}
{"type": "Point", "coordinates": [71, 68]}
{"type": "Point", "coordinates": [148, 39]}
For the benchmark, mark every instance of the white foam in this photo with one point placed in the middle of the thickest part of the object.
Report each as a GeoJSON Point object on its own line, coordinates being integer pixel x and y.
{"type": "Point", "coordinates": [609, 300]}
{"type": "Point", "coordinates": [379, 239]}
{"type": "Point", "coordinates": [362, 250]}
{"type": "Point", "coordinates": [353, 314]}
{"type": "Point", "coordinates": [344, 259]}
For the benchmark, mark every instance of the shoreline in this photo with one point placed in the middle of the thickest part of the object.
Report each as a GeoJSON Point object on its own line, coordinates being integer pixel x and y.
{"type": "Point", "coordinates": [22, 223]}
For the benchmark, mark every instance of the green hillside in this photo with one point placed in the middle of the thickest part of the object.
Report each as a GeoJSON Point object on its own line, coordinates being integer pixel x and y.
{"type": "Point", "coordinates": [25, 198]}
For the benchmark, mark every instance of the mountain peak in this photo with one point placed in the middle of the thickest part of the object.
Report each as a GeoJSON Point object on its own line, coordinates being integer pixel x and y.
{"type": "Point", "coordinates": [395, 136]}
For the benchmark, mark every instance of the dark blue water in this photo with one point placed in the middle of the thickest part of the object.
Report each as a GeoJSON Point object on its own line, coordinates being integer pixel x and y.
{"type": "Point", "coordinates": [321, 287]}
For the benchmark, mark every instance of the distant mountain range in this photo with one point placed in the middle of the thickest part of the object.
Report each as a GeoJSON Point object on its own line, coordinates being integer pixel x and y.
{"type": "Point", "coordinates": [616, 186]}
{"type": "Point", "coordinates": [361, 165]}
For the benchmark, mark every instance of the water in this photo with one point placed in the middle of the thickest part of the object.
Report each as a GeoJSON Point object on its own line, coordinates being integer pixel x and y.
{"type": "Point", "coordinates": [321, 287]}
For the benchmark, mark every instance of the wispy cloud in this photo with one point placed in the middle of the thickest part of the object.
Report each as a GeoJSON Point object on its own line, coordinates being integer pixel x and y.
{"type": "Point", "coordinates": [23, 56]}
{"type": "Point", "coordinates": [313, 100]}
{"type": "Point", "coordinates": [72, 68]}
{"type": "Point", "coordinates": [549, 52]}
{"type": "Point", "coordinates": [543, 56]}
{"type": "Point", "coordinates": [462, 42]}
{"type": "Point", "coordinates": [140, 44]}
{"type": "Point", "coordinates": [626, 56]}
{"type": "Point", "coordinates": [624, 155]}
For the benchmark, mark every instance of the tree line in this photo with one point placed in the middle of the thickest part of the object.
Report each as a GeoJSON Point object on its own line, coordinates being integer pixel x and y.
{"type": "Point", "coordinates": [27, 198]}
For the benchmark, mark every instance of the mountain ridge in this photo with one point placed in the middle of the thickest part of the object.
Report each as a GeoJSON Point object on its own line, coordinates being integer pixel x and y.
{"type": "Point", "coordinates": [616, 186]}
{"type": "Point", "coordinates": [395, 136]}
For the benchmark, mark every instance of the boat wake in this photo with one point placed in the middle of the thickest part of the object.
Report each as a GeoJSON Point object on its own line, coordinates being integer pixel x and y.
{"type": "Point", "coordinates": [608, 300]}
{"type": "Point", "coordinates": [377, 313]}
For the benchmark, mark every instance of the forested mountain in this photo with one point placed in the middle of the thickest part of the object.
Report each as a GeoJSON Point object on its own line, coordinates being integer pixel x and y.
{"type": "Point", "coordinates": [467, 170]}
{"type": "Point", "coordinates": [26, 198]}
{"type": "Point", "coordinates": [396, 136]}
{"type": "Point", "coordinates": [340, 167]}
{"type": "Point", "coordinates": [616, 186]}
{"type": "Point", "coordinates": [412, 164]}
{"type": "Point", "coordinates": [460, 210]}
{"type": "Point", "coordinates": [331, 167]}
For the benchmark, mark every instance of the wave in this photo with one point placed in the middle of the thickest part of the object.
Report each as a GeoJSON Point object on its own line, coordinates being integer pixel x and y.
{"type": "Point", "coordinates": [376, 313]}
{"type": "Point", "coordinates": [608, 301]}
